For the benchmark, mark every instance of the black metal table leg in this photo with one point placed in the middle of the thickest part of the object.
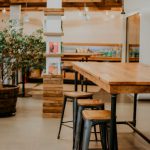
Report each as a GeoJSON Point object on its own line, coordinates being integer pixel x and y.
{"type": "Point", "coordinates": [134, 110]}
{"type": "Point", "coordinates": [113, 142]}
{"type": "Point", "coordinates": [76, 81]}
{"type": "Point", "coordinates": [82, 82]}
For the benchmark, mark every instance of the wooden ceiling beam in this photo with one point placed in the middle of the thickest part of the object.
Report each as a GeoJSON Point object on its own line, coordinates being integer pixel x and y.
{"type": "Point", "coordinates": [66, 3]}
{"type": "Point", "coordinates": [44, 1]}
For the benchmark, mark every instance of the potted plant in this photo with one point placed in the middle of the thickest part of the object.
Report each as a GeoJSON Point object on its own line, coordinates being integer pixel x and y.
{"type": "Point", "coordinates": [17, 51]}
{"type": "Point", "coordinates": [9, 37]}
{"type": "Point", "coordinates": [33, 55]}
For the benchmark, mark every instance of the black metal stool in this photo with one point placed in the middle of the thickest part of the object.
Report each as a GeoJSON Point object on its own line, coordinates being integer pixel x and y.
{"type": "Point", "coordinates": [94, 117]}
{"type": "Point", "coordinates": [73, 96]}
{"type": "Point", "coordinates": [85, 104]}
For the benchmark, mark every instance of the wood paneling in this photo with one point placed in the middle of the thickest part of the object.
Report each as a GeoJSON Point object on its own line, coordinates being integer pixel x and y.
{"type": "Point", "coordinates": [52, 96]}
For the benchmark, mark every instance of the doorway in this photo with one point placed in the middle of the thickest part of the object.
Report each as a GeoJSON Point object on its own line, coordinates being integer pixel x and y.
{"type": "Point", "coordinates": [133, 38]}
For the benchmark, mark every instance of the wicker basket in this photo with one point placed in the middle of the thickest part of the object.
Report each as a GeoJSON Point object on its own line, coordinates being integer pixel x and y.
{"type": "Point", "coordinates": [8, 99]}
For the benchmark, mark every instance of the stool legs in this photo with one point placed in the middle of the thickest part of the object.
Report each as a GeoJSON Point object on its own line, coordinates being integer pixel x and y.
{"type": "Point", "coordinates": [62, 116]}
{"type": "Point", "coordinates": [86, 134]}
{"type": "Point", "coordinates": [116, 141]}
{"type": "Point", "coordinates": [74, 120]}
{"type": "Point", "coordinates": [95, 132]}
{"type": "Point", "coordinates": [78, 127]}
{"type": "Point", "coordinates": [104, 136]}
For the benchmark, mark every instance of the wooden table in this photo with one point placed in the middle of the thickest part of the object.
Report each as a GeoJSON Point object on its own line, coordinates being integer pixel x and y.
{"type": "Point", "coordinates": [116, 78]}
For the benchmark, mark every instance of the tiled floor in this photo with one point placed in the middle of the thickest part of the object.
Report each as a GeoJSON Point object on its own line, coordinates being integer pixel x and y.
{"type": "Point", "coordinates": [29, 131]}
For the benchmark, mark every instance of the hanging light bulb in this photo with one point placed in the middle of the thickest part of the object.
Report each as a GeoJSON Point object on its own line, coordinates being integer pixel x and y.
{"type": "Point", "coordinates": [4, 11]}
{"type": "Point", "coordinates": [26, 17]}
{"type": "Point", "coordinates": [123, 11]}
{"type": "Point", "coordinates": [85, 12]}
{"type": "Point", "coordinates": [107, 13]}
{"type": "Point", "coordinates": [86, 9]}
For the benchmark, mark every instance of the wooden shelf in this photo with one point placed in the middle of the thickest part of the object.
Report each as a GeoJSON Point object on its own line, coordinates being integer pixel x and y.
{"type": "Point", "coordinates": [53, 34]}
{"type": "Point", "coordinates": [54, 11]}
{"type": "Point", "coordinates": [87, 57]}
{"type": "Point", "coordinates": [133, 59]}
{"type": "Point", "coordinates": [92, 44]}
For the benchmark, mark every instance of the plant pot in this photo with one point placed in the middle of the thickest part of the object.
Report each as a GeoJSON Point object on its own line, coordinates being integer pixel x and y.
{"type": "Point", "coordinates": [8, 100]}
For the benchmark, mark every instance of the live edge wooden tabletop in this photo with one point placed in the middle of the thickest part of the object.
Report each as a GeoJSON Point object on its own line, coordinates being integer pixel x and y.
{"type": "Point", "coordinates": [117, 77]}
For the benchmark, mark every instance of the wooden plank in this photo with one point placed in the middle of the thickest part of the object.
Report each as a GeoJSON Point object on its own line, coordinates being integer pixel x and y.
{"type": "Point", "coordinates": [56, 98]}
{"type": "Point", "coordinates": [51, 78]}
{"type": "Point", "coordinates": [54, 11]}
{"type": "Point", "coordinates": [52, 89]}
{"type": "Point", "coordinates": [51, 115]}
{"type": "Point", "coordinates": [52, 109]}
{"type": "Point", "coordinates": [112, 59]}
{"type": "Point", "coordinates": [117, 77]}
{"type": "Point", "coordinates": [66, 1]}
{"type": "Point", "coordinates": [96, 4]}
{"type": "Point", "coordinates": [52, 103]}
{"type": "Point", "coordinates": [52, 93]}
{"type": "Point", "coordinates": [130, 89]}
{"type": "Point", "coordinates": [52, 85]}
{"type": "Point", "coordinates": [53, 82]}
{"type": "Point", "coordinates": [26, 1]}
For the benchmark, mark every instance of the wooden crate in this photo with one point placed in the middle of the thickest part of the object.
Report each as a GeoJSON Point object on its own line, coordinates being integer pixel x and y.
{"type": "Point", "coordinates": [52, 96]}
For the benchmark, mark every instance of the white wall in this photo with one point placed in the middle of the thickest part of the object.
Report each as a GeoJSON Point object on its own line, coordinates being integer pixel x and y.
{"type": "Point", "coordinates": [100, 28]}
{"type": "Point", "coordinates": [136, 5]}
{"type": "Point", "coordinates": [36, 20]}
{"type": "Point", "coordinates": [143, 7]}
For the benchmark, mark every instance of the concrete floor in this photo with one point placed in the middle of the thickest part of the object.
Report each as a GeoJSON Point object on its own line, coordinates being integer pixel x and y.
{"type": "Point", "coordinates": [29, 131]}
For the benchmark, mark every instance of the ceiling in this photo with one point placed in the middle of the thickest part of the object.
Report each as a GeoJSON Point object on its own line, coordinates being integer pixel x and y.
{"type": "Point", "coordinates": [35, 4]}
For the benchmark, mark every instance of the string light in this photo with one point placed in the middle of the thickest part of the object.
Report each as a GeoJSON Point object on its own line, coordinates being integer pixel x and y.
{"type": "Point", "coordinates": [4, 11]}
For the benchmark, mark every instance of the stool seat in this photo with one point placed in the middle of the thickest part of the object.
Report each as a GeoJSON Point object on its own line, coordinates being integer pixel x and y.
{"type": "Point", "coordinates": [90, 102]}
{"type": "Point", "coordinates": [96, 115]}
{"type": "Point", "coordinates": [78, 94]}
